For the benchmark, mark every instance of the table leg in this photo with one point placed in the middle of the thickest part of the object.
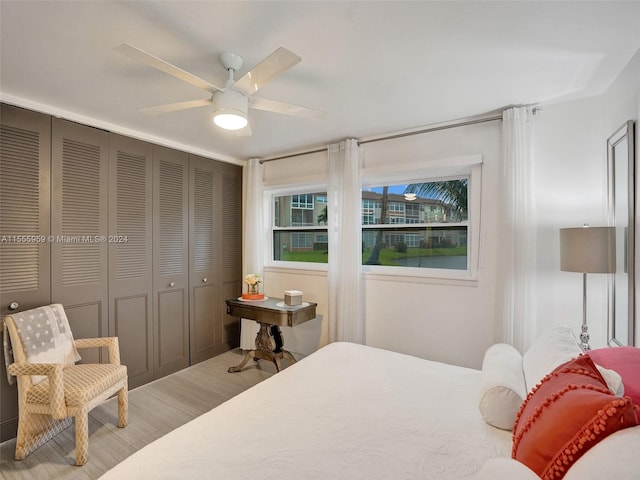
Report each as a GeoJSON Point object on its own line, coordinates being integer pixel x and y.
{"type": "Point", "coordinates": [248, 356]}
{"type": "Point", "coordinates": [268, 347]}
{"type": "Point", "coordinates": [286, 354]}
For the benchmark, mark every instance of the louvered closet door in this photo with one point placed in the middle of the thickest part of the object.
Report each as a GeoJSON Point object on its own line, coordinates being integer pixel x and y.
{"type": "Point", "coordinates": [130, 254]}
{"type": "Point", "coordinates": [204, 315]}
{"type": "Point", "coordinates": [25, 140]}
{"type": "Point", "coordinates": [25, 156]}
{"type": "Point", "coordinates": [230, 250]}
{"type": "Point", "coordinates": [170, 260]}
{"type": "Point", "coordinates": [79, 229]}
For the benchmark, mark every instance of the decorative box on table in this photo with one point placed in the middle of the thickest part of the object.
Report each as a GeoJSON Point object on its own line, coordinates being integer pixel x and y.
{"type": "Point", "coordinates": [292, 297]}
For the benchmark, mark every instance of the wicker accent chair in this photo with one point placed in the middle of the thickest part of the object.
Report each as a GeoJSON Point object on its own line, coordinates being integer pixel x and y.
{"type": "Point", "coordinates": [51, 394]}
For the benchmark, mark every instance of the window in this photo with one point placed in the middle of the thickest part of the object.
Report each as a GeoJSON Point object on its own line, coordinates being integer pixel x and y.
{"type": "Point", "coordinates": [369, 208]}
{"type": "Point", "coordinates": [412, 213]}
{"type": "Point", "coordinates": [300, 228]}
{"type": "Point", "coordinates": [301, 217]}
{"type": "Point", "coordinates": [420, 225]}
{"type": "Point", "coordinates": [302, 201]}
{"type": "Point", "coordinates": [301, 241]}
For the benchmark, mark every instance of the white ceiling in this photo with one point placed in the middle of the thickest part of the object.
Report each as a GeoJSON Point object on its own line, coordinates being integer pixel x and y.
{"type": "Point", "coordinates": [374, 67]}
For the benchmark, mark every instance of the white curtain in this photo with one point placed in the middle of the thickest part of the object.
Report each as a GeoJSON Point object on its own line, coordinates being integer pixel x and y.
{"type": "Point", "coordinates": [346, 322]}
{"type": "Point", "coordinates": [517, 234]}
{"type": "Point", "coordinates": [254, 237]}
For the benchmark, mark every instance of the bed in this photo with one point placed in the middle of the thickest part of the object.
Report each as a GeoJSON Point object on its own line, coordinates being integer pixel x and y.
{"type": "Point", "coordinates": [346, 411]}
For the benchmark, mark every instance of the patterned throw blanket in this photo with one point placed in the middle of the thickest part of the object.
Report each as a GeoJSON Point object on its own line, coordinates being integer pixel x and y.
{"type": "Point", "coordinates": [46, 338]}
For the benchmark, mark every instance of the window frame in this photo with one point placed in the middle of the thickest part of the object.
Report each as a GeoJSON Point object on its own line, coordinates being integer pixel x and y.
{"type": "Point", "coordinates": [470, 166]}
{"type": "Point", "coordinates": [269, 197]}
{"type": "Point", "coordinates": [445, 169]}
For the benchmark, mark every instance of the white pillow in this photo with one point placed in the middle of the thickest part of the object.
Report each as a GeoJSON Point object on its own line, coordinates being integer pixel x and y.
{"type": "Point", "coordinates": [613, 379]}
{"type": "Point", "coordinates": [502, 387]}
{"type": "Point", "coordinates": [553, 348]}
{"type": "Point", "coordinates": [503, 468]}
{"type": "Point", "coordinates": [614, 457]}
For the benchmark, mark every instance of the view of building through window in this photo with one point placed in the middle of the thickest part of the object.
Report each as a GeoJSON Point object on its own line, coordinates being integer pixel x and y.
{"type": "Point", "coordinates": [420, 225]}
{"type": "Point", "coordinates": [300, 228]}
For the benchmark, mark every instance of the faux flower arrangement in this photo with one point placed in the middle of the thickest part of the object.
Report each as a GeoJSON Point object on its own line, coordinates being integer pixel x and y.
{"type": "Point", "coordinates": [253, 281]}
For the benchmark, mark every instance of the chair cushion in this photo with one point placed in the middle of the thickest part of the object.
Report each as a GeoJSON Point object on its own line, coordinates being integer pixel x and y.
{"type": "Point", "coordinates": [81, 383]}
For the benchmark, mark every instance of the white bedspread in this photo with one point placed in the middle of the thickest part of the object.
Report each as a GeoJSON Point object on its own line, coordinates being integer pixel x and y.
{"type": "Point", "coordinates": [345, 412]}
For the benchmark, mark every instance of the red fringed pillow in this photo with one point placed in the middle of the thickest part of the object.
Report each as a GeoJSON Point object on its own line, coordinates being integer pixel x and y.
{"type": "Point", "coordinates": [569, 412]}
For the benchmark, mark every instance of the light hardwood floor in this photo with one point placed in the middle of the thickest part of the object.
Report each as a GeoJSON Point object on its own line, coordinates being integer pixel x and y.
{"type": "Point", "coordinates": [154, 410]}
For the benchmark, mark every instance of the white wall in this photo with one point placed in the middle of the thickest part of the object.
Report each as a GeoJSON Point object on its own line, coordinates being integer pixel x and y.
{"type": "Point", "coordinates": [571, 176]}
{"type": "Point", "coordinates": [448, 321]}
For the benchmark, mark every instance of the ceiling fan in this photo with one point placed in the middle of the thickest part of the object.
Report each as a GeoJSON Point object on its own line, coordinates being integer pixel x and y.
{"type": "Point", "coordinates": [232, 101]}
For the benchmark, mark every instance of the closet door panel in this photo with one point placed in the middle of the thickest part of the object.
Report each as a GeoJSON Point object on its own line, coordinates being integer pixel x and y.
{"type": "Point", "coordinates": [79, 177]}
{"type": "Point", "coordinates": [130, 254]}
{"type": "Point", "coordinates": [203, 261]}
{"type": "Point", "coordinates": [25, 166]}
{"type": "Point", "coordinates": [25, 162]}
{"type": "Point", "coordinates": [230, 250]}
{"type": "Point", "coordinates": [78, 315]}
{"type": "Point", "coordinates": [172, 337]}
{"type": "Point", "coordinates": [215, 255]}
{"type": "Point", "coordinates": [170, 260]}
{"type": "Point", "coordinates": [131, 319]}
{"type": "Point", "coordinates": [204, 329]}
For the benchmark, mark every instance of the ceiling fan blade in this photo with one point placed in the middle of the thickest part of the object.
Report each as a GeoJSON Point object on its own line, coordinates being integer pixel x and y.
{"type": "Point", "coordinates": [276, 63]}
{"type": "Point", "coordinates": [174, 107]}
{"type": "Point", "coordinates": [159, 64]}
{"type": "Point", "coordinates": [286, 108]}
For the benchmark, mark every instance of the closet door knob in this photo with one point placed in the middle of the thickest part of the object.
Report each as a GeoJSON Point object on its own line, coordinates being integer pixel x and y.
{"type": "Point", "coordinates": [13, 306]}
{"type": "Point", "coordinates": [172, 284]}
{"type": "Point", "coordinates": [205, 279]}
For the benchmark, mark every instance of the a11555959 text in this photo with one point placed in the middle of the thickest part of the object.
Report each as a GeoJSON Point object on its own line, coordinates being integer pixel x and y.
{"type": "Point", "coordinates": [63, 239]}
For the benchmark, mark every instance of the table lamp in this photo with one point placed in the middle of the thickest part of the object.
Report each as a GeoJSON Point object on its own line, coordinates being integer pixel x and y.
{"type": "Point", "coordinates": [587, 250]}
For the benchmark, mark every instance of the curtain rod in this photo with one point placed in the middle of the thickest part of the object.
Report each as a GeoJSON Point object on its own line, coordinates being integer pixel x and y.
{"type": "Point", "coordinates": [461, 123]}
{"type": "Point", "coordinates": [433, 129]}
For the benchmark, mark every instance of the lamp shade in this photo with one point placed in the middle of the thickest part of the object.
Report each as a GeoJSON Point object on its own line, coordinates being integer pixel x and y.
{"type": "Point", "coordinates": [588, 249]}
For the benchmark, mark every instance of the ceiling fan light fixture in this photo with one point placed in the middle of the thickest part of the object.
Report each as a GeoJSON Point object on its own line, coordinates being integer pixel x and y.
{"type": "Point", "coordinates": [229, 121]}
{"type": "Point", "coordinates": [231, 110]}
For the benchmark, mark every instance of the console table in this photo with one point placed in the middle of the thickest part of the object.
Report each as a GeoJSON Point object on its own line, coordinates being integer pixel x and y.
{"type": "Point", "coordinates": [271, 314]}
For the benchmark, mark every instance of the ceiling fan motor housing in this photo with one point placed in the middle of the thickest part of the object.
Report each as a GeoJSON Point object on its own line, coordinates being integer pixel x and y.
{"type": "Point", "coordinates": [230, 105]}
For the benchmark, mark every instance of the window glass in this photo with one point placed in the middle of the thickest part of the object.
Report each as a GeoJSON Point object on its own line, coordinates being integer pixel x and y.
{"type": "Point", "coordinates": [418, 225]}
{"type": "Point", "coordinates": [300, 228]}
{"type": "Point", "coordinates": [421, 225]}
